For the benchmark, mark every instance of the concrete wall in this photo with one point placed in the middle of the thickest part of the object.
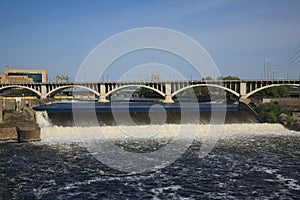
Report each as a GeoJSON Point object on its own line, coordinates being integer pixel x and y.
{"type": "Point", "coordinates": [19, 126]}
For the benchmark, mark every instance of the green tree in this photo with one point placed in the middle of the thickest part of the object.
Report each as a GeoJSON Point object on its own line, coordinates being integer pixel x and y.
{"type": "Point", "coordinates": [270, 112]}
{"type": "Point", "coordinates": [230, 78]}
{"type": "Point", "coordinates": [13, 92]}
{"type": "Point", "coordinates": [279, 91]}
{"type": "Point", "coordinates": [148, 93]}
{"type": "Point", "coordinates": [207, 78]}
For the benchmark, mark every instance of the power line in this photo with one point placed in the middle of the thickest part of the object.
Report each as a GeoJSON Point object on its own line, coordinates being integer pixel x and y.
{"type": "Point", "coordinates": [293, 58]}
{"type": "Point", "coordinates": [288, 64]}
{"type": "Point", "coordinates": [287, 59]}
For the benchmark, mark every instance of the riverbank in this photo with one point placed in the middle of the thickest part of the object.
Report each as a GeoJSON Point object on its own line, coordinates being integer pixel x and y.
{"type": "Point", "coordinates": [283, 111]}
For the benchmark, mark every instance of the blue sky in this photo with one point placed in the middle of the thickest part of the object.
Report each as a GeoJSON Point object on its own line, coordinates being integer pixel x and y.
{"type": "Point", "coordinates": [57, 35]}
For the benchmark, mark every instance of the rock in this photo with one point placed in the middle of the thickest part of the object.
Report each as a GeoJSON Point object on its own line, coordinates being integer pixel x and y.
{"type": "Point", "coordinates": [284, 116]}
{"type": "Point", "coordinates": [293, 126]}
{"type": "Point", "coordinates": [8, 133]}
{"type": "Point", "coordinates": [296, 115]}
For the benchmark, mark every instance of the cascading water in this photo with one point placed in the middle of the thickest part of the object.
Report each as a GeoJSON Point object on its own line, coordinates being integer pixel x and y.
{"type": "Point", "coordinates": [60, 127]}
{"type": "Point", "coordinates": [249, 159]}
{"type": "Point", "coordinates": [43, 119]}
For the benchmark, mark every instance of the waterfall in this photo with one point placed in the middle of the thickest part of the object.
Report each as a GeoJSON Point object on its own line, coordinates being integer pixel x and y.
{"type": "Point", "coordinates": [43, 119]}
{"type": "Point", "coordinates": [59, 134]}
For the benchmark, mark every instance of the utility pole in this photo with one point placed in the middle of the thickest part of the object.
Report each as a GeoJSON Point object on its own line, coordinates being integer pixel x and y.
{"type": "Point", "coordinates": [270, 70]}
{"type": "Point", "coordinates": [267, 69]}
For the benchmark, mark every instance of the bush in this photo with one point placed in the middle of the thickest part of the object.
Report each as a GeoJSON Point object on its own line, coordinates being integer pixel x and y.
{"type": "Point", "coordinates": [270, 112]}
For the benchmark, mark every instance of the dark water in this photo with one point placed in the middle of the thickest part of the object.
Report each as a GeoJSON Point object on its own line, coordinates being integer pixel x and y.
{"type": "Point", "coordinates": [133, 107]}
{"type": "Point", "coordinates": [245, 167]}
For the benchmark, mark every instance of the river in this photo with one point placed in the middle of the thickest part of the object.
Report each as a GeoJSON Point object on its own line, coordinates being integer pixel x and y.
{"type": "Point", "coordinates": [248, 159]}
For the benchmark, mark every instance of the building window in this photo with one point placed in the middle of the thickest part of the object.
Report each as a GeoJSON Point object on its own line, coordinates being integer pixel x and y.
{"type": "Point", "coordinates": [36, 77]}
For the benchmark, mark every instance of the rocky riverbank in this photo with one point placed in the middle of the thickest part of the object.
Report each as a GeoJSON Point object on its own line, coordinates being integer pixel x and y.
{"type": "Point", "coordinates": [293, 126]}
{"type": "Point", "coordinates": [286, 112]}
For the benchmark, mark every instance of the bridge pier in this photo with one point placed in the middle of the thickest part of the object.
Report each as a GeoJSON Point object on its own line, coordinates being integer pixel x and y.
{"type": "Point", "coordinates": [168, 99]}
{"type": "Point", "coordinates": [243, 93]}
{"type": "Point", "coordinates": [243, 88]}
{"type": "Point", "coordinates": [44, 92]}
{"type": "Point", "coordinates": [102, 99]}
{"type": "Point", "coordinates": [244, 100]}
{"type": "Point", "coordinates": [43, 96]}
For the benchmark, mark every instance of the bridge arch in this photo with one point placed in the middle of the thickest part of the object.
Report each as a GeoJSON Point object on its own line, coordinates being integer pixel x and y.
{"type": "Point", "coordinates": [269, 86]}
{"type": "Point", "coordinates": [71, 86]}
{"type": "Point", "coordinates": [210, 85]}
{"type": "Point", "coordinates": [128, 86]}
{"type": "Point", "coordinates": [23, 87]}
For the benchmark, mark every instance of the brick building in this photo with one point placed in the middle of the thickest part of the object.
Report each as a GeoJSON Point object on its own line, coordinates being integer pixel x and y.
{"type": "Point", "coordinates": [23, 76]}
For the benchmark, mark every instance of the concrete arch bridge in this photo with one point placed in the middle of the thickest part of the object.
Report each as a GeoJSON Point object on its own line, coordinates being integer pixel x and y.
{"type": "Point", "coordinates": [242, 89]}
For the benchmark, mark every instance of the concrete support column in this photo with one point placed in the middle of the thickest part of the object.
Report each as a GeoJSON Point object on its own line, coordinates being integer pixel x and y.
{"type": "Point", "coordinates": [243, 88]}
{"type": "Point", "coordinates": [44, 92]}
{"type": "Point", "coordinates": [102, 98]}
{"type": "Point", "coordinates": [244, 99]}
{"type": "Point", "coordinates": [243, 91]}
{"type": "Point", "coordinates": [168, 97]}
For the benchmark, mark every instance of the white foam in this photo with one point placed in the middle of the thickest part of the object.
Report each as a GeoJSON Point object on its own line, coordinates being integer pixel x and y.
{"type": "Point", "coordinates": [43, 119]}
{"type": "Point", "coordinates": [77, 134]}
{"type": "Point", "coordinates": [50, 133]}
{"type": "Point", "coordinates": [289, 182]}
